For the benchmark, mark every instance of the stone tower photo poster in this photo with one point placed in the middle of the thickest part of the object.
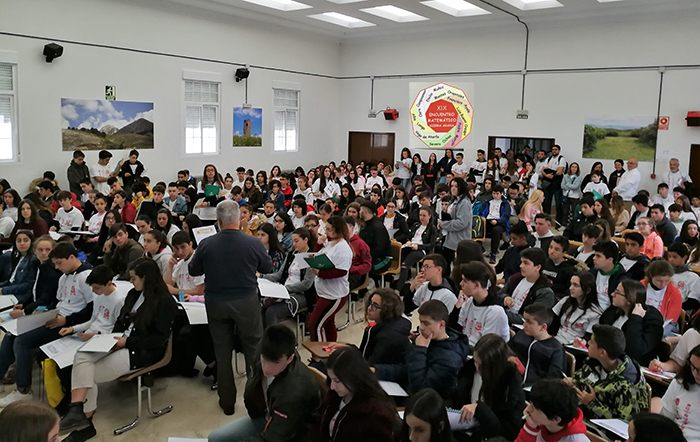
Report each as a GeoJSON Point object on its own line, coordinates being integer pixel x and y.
{"type": "Point", "coordinates": [247, 127]}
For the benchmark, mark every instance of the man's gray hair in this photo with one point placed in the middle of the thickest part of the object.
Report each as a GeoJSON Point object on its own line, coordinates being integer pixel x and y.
{"type": "Point", "coordinates": [228, 212]}
{"type": "Point", "coordinates": [674, 159]}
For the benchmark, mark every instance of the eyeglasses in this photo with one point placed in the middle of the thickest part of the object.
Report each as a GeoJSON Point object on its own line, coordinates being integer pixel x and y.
{"type": "Point", "coordinates": [426, 267]}
{"type": "Point", "coordinates": [374, 306]}
{"type": "Point", "coordinates": [694, 369]}
{"type": "Point", "coordinates": [310, 226]}
{"type": "Point", "coordinates": [618, 293]}
{"type": "Point", "coordinates": [642, 224]}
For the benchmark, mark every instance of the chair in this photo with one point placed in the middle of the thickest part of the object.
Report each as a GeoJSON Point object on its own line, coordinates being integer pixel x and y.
{"type": "Point", "coordinates": [681, 322]}
{"type": "Point", "coordinates": [352, 304]}
{"type": "Point", "coordinates": [570, 364]}
{"type": "Point", "coordinates": [141, 386]}
{"type": "Point", "coordinates": [395, 266]}
{"type": "Point", "coordinates": [620, 243]}
{"type": "Point", "coordinates": [649, 394]}
{"type": "Point", "coordinates": [321, 379]}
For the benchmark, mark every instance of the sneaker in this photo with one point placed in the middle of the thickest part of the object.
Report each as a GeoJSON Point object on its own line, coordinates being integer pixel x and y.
{"type": "Point", "coordinates": [15, 396]}
{"type": "Point", "coordinates": [82, 435]}
{"type": "Point", "coordinates": [492, 258]}
{"type": "Point", "coordinates": [504, 246]}
{"type": "Point", "coordinates": [75, 419]}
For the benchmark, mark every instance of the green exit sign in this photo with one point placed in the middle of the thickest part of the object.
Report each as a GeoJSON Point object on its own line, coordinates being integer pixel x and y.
{"type": "Point", "coordinates": [521, 114]}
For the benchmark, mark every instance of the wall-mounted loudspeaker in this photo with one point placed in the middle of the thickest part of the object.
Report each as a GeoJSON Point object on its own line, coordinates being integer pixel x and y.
{"type": "Point", "coordinates": [51, 51]}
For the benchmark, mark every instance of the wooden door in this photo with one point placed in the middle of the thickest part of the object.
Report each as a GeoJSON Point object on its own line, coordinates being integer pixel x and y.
{"type": "Point", "coordinates": [694, 166]}
{"type": "Point", "coordinates": [371, 147]}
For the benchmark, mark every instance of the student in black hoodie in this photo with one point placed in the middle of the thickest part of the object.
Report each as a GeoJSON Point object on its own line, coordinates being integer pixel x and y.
{"type": "Point", "coordinates": [558, 268]}
{"type": "Point", "coordinates": [541, 354]}
{"type": "Point", "coordinates": [510, 262]}
{"type": "Point", "coordinates": [131, 170]}
{"type": "Point", "coordinates": [77, 172]}
{"type": "Point", "coordinates": [499, 403]}
{"type": "Point", "coordinates": [632, 261]}
{"type": "Point", "coordinates": [663, 226]}
{"type": "Point", "coordinates": [586, 216]}
{"type": "Point", "coordinates": [377, 238]}
{"type": "Point", "coordinates": [641, 210]}
{"type": "Point", "coordinates": [393, 220]}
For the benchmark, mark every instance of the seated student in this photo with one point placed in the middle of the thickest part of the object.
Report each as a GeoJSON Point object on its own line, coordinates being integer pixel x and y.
{"type": "Point", "coordinates": [152, 207]}
{"type": "Point", "coordinates": [175, 202]}
{"type": "Point", "coordinates": [356, 407]}
{"type": "Point", "coordinates": [432, 283]}
{"type": "Point", "coordinates": [435, 358]}
{"type": "Point", "coordinates": [651, 427]}
{"type": "Point", "coordinates": [95, 222]}
{"type": "Point", "coordinates": [633, 261]}
{"type": "Point", "coordinates": [250, 221]}
{"type": "Point", "coordinates": [298, 282]}
{"type": "Point", "coordinates": [298, 212]}
{"type": "Point", "coordinates": [148, 314]}
{"type": "Point", "coordinates": [304, 190]}
{"type": "Point", "coordinates": [640, 209]}
{"type": "Point", "coordinates": [361, 257]}
{"type": "Point", "coordinates": [477, 311]}
{"type": "Point", "coordinates": [156, 247]}
{"type": "Point", "coordinates": [268, 237]}
{"type": "Point", "coordinates": [529, 286]}
{"type": "Point", "coordinates": [576, 314]}
{"type": "Point", "coordinates": [164, 223]}
{"type": "Point", "coordinates": [541, 354]}
{"type": "Point", "coordinates": [74, 307]}
{"type": "Point", "coordinates": [414, 212]}
{"type": "Point", "coordinates": [23, 266]}
{"type": "Point", "coordinates": [276, 196]}
{"type": "Point", "coordinates": [425, 418]}
{"type": "Point", "coordinates": [610, 385]}
{"type": "Point", "coordinates": [674, 215]}
{"type": "Point", "coordinates": [282, 397]}
{"type": "Point", "coordinates": [653, 244]}
{"type": "Point", "coordinates": [324, 212]}
{"type": "Point", "coordinates": [375, 197]}
{"type": "Point", "coordinates": [43, 289]}
{"type": "Point", "coordinates": [585, 217]}
{"type": "Point", "coordinates": [490, 386]}
{"type": "Point", "coordinates": [121, 251]}
{"type": "Point", "coordinates": [662, 225]}
{"type": "Point", "coordinates": [607, 271]}
{"type": "Point", "coordinates": [497, 214]}
{"type": "Point", "coordinates": [67, 216]}
{"type": "Point", "coordinates": [125, 208]}
{"type": "Point", "coordinates": [558, 268]}
{"type": "Point", "coordinates": [584, 252]}
{"type": "Point", "coordinates": [553, 414]}
{"type": "Point", "coordinates": [642, 324]}
{"type": "Point", "coordinates": [663, 295]}
{"type": "Point", "coordinates": [115, 186]}
{"type": "Point", "coordinates": [286, 190]}
{"type": "Point", "coordinates": [680, 400]}
{"type": "Point", "coordinates": [509, 264]}
{"type": "Point", "coordinates": [421, 240]}
{"type": "Point", "coordinates": [28, 219]}
{"type": "Point", "coordinates": [144, 225]}
{"type": "Point", "coordinates": [516, 201]}
{"type": "Point", "coordinates": [542, 236]}
{"type": "Point", "coordinates": [662, 197]}
{"type": "Point", "coordinates": [395, 223]}
{"type": "Point", "coordinates": [688, 282]}
{"type": "Point", "coordinates": [188, 192]}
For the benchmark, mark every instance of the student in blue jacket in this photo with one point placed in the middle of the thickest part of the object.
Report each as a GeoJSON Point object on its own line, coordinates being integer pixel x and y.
{"type": "Point", "coordinates": [497, 214]}
{"type": "Point", "coordinates": [24, 265]}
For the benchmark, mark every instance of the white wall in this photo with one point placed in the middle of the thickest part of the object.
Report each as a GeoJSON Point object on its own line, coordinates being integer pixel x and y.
{"type": "Point", "coordinates": [558, 103]}
{"type": "Point", "coordinates": [83, 72]}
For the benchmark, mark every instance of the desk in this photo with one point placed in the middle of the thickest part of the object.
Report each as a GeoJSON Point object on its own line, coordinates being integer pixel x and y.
{"type": "Point", "coordinates": [316, 349]}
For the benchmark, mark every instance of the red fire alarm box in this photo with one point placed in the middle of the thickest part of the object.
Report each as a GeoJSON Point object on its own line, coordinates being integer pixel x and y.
{"type": "Point", "coordinates": [693, 119]}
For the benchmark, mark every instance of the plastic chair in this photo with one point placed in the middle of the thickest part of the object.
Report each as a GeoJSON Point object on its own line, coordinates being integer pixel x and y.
{"type": "Point", "coordinates": [321, 380]}
{"type": "Point", "coordinates": [146, 385]}
{"type": "Point", "coordinates": [395, 266]}
{"type": "Point", "coordinates": [570, 364]}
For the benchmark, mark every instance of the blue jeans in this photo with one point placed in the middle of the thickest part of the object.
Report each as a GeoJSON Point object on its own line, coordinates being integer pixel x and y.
{"type": "Point", "coordinates": [239, 429]}
{"type": "Point", "coordinates": [20, 349]}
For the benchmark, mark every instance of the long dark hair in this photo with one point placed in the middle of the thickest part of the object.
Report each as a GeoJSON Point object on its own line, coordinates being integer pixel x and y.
{"type": "Point", "coordinates": [104, 230]}
{"type": "Point", "coordinates": [39, 204]}
{"type": "Point", "coordinates": [160, 237]}
{"type": "Point", "coordinates": [685, 376]}
{"type": "Point", "coordinates": [167, 227]}
{"type": "Point", "coordinates": [32, 207]}
{"type": "Point", "coordinates": [15, 198]}
{"type": "Point", "coordinates": [155, 292]}
{"type": "Point", "coordinates": [493, 353]}
{"type": "Point", "coordinates": [352, 369]}
{"type": "Point", "coordinates": [652, 427]}
{"type": "Point", "coordinates": [428, 406]}
{"type": "Point", "coordinates": [605, 213]}
{"type": "Point", "coordinates": [288, 224]}
{"type": "Point", "coordinates": [193, 222]}
{"type": "Point", "coordinates": [273, 243]}
{"type": "Point", "coordinates": [589, 299]}
{"type": "Point", "coordinates": [253, 190]}
{"type": "Point", "coordinates": [685, 238]}
{"type": "Point", "coordinates": [343, 203]}
{"type": "Point", "coordinates": [469, 251]}
{"type": "Point", "coordinates": [635, 292]}
{"type": "Point", "coordinates": [16, 255]}
{"type": "Point", "coordinates": [218, 180]}
{"type": "Point", "coordinates": [322, 177]}
{"type": "Point", "coordinates": [462, 186]}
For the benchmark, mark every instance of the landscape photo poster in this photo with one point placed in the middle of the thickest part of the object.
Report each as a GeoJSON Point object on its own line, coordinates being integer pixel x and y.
{"type": "Point", "coordinates": [620, 137]}
{"type": "Point", "coordinates": [247, 127]}
{"type": "Point", "coordinates": [102, 124]}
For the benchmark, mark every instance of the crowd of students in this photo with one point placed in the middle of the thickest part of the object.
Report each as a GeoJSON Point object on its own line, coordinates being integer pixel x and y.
{"type": "Point", "coordinates": [490, 332]}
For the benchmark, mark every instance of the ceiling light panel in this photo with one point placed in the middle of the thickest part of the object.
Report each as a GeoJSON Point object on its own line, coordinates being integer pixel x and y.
{"type": "Point", "coordinates": [531, 5]}
{"type": "Point", "coordinates": [345, 2]}
{"type": "Point", "coordinates": [608, 1]}
{"type": "Point", "coordinates": [342, 20]}
{"type": "Point", "coordinates": [394, 14]}
{"type": "Point", "coordinates": [280, 5]}
{"type": "Point", "coordinates": [456, 8]}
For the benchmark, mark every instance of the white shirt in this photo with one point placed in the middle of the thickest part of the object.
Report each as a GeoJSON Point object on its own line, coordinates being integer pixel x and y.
{"type": "Point", "coordinates": [541, 166]}
{"type": "Point", "coordinates": [98, 170]}
{"type": "Point", "coordinates": [683, 406]}
{"type": "Point", "coordinates": [371, 181]}
{"type": "Point", "coordinates": [308, 195]}
{"type": "Point", "coordinates": [105, 310]}
{"type": "Point", "coordinates": [601, 283]}
{"type": "Point", "coordinates": [688, 283]}
{"type": "Point", "coordinates": [494, 209]}
{"type": "Point", "coordinates": [340, 255]}
{"type": "Point", "coordinates": [655, 298]}
{"type": "Point", "coordinates": [95, 223]}
{"type": "Point", "coordinates": [689, 341]}
{"type": "Point", "coordinates": [555, 163]}
{"type": "Point", "coordinates": [600, 188]}
{"type": "Point", "coordinates": [675, 179]}
{"type": "Point", "coordinates": [625, 263]}
{"type": "Point", "coordinates": [666, 202]}
{"type": "Point", "coordinates": [182, 278]}
{"type": "Point", "coordinates": [71, 219]}
{"type": "Point", "coordinates": [459, 169]}
{"type": "Point", "coordinates": [628, 184]}
{"type": "Point", "coordinates": [403, 168]}
{"type": "Point", "coordinates": [477, 321]}
{"type": "Point", "coordinates": [73, 294]}
{"type": "Point", "coordinates": [418, 237]}
{"type": "Point", "coordinates": [520, 293]}
{"type": "Point", "coordinates": [575, 324]}
{"type": "Point", "coordinates": [479, 167]}
{"type": "Point", "coordinates": [331, 189]}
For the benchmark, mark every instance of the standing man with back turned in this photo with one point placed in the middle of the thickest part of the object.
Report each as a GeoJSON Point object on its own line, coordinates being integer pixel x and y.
{"type": "Point", "coordinates": [229, 261]}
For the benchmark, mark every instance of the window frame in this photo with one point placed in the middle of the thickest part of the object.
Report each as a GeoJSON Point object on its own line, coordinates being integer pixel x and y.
{"type": "Point", "coordinates": [294, 87]}
{"type": "Point", "coordinates": [205, 77]}
{"type": "Point", "coordinates": [10, 58]}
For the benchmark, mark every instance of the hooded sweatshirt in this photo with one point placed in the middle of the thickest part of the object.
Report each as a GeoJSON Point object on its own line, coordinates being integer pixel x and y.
{"type": "Point", "coordinates": [476, 320]}
{"type": "Point", "coordinates": [386, 342]}
{"type": "Point", "coordinates": [668, 301]}
{"type": "Point", "coordinates": [540, 292]}
{"type": "Point", "coordinates": [634, 267]}
{"type": "Point", "coordinates": [575, 431]}
{"type": "Point", "coordinates": [560, 275]}
{"type": "Point", "coordinates": [443, 292]}
{"type": "Point", "coordinates": [542, 359]}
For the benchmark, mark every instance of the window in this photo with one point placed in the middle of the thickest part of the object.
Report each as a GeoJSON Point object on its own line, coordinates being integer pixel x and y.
{"type": "Point", "coordinates": [286, 104]}
{"type": "Point", "coordinates": [201, 117]}
{"type": "Point", "coordinates": [8, 113]}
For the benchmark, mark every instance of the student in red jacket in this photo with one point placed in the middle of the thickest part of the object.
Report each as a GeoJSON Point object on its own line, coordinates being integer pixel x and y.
{"type": "Point", "coordinates": [125, 208]}
{"type": "Point", "coordinates": [361, 258]}
{"type": "Point", "coordinates": [553, 414]}
{"type": "Point", "coordinates": [662, 294]}
{"type": "Point", "coordinates": [356, 408]}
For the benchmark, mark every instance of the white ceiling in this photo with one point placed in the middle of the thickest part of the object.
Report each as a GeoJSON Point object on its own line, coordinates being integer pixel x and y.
{"type": "Point", "coordinates": [572, 11]}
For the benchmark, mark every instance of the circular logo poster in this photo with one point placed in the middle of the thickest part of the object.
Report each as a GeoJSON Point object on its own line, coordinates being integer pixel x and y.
{"type": "Point", "coordinates": [441, 116]}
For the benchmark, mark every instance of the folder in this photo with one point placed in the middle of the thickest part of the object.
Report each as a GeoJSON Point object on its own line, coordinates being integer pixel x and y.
{"type": "Point", "coordinates": [319, 262]}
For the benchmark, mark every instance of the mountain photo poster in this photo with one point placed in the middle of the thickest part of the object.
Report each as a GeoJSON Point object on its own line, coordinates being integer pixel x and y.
{"type": "Point", "coordinates": [102, 124]}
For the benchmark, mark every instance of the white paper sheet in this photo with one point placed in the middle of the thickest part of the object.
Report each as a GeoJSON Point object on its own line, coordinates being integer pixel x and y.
{"type": "Point", "coordinates": [271, 289]}
{"type": "Point", "coordinates": [101, 343]}
{"type": "Point", "coordinates": [455, 425]}
{"type": "Point", "coordinates": [579, 349]}
{"type": "Point", "coordinates": [76, 232]}
{"type": "Point", "coordinates": [196, 312]}
{"type": "Point", "coordinates": [7, 301]}
{"type": "Point", "coordinates": [63, 350]}
{"type": "Point", "coordinates": [393, 389]}
{"type": "Point", "coordinates": [300, 261]}
{"type": "Point", "coordinates": [667, 375]}
{"type": "Point", "coordinates": [617, 426]}
{"type": "Point", "coordinates": [23, 324]}
{"type": "Point", "coordinates": [5, 316]}
{"type": "Point", "coordinates": [203, 232]}
{"type": "Point", "coordinates": [54, 235]}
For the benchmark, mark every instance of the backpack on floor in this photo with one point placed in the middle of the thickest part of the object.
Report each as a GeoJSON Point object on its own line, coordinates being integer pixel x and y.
{"type": "Point", "coordinates": [478, 227]}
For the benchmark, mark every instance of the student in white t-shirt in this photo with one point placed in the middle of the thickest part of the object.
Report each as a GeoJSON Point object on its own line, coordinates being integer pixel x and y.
{"type": "Point", "coordinates": [403, 169]}
{"type": "Point", "coordinates": [95, 223]}
{"type": "Point", "coordinates": [459, 169]}
{"type": "Point", "coordinates": [687, 281]}
{"type": "Point", "coordinates": [682, 399]}
{"type": "Point", "coordinates": [679, 356]}
{"type": "Point", "coordinates": [662, 196]}
{"type": "Point", "coordinates": [332, 286]}
{"type": "Point", "coordinates": [479, 166]}
{"type": "Point", "coordinates": [101, 172]}
{"type": "Point", "coordinates": [67, 217]}
{"type": "Point", "coordinates": [527, 287]}
{"type": "Point", "coordinates": [578, 313]}
{"type": "Point", "coordinates": [596, 186]}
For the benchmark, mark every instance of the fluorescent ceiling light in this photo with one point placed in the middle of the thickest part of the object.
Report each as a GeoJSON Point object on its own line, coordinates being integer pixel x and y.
{"type": "Point", "coordinates": [456, 8]}
{"type": "Point", "coordinates": [344, 2]}
{"type": "Point", "coordinates": [342, 20]}
{"type": "Point", "coordinates": [281, 5]}
{"type": "Point", "coordinates": [395, 14]}
{"type": "Point", "coordinates": [530, 5]}
{"type": "Point", "coordinates": [608, 1]}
